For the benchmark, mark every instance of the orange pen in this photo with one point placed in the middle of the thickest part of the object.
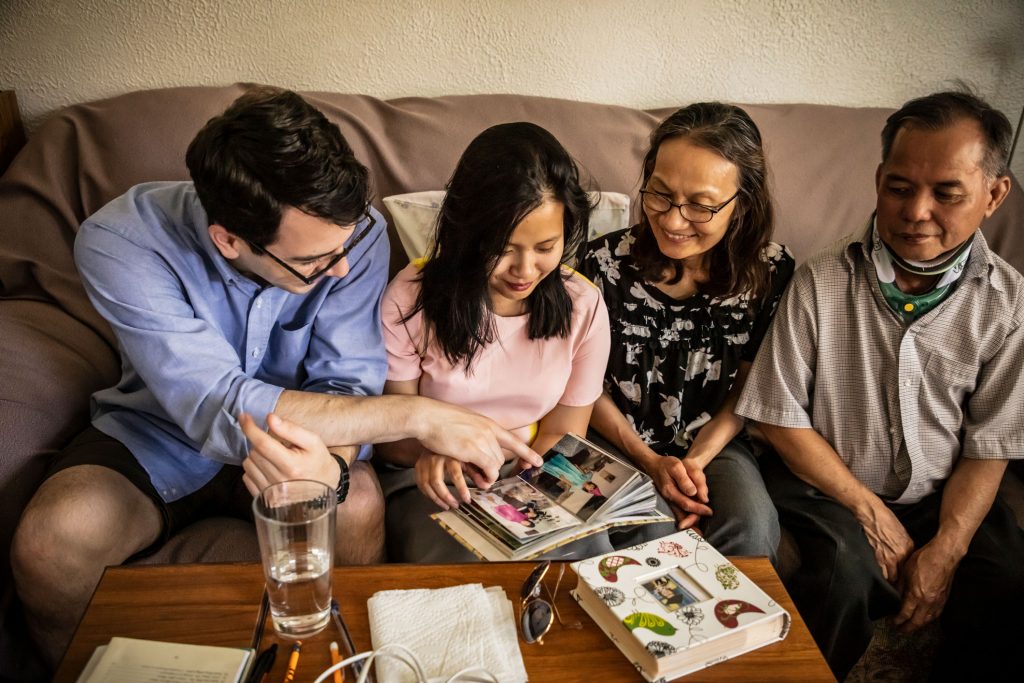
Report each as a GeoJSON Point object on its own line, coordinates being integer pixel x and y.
{"type": "Point", "coordinates": [293, 662]}
{"type": "Point", "coordinates": [339, 675]}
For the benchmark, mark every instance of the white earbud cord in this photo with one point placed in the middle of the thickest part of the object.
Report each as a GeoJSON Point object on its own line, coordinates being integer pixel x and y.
{"type": "Point", "coordinates": [476, 674]}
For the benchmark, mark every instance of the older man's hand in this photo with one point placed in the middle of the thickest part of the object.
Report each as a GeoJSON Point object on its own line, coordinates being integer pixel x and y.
{"type": "Point", "coordinates": [889, 539]}
{"type": "Point", "coordinates": [926, 580]}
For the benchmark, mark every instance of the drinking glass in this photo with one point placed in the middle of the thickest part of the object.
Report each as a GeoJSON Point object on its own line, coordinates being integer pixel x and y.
{"type": "Point", "coordinates": [295, 524]}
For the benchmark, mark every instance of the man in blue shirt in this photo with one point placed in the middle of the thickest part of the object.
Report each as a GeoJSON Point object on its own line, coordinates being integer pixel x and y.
{"type": "Point", "coordinates": [249, 297]}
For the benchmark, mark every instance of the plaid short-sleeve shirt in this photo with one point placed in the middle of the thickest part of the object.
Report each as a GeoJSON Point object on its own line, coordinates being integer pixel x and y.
{"type": "Point", "coordinates": [898, 402]}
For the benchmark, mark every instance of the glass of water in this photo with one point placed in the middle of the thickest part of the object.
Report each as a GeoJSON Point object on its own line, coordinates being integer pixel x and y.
{"type": "Point", "coordinates": [295, 524]}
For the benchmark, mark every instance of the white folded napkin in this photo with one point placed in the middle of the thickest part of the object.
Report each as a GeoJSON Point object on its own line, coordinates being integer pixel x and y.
{"type": "Point", "coordinates": [449, 629]}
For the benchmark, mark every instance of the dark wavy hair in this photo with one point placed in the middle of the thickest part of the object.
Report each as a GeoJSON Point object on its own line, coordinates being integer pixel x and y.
{"type": "Point", "coordinates": [941, 110]}
{"type": "Point", "coordinates": [505, 173]}
{"type": "Point", "coordinates": [735, 265]}
{"type": "Point", "coordinates": [268, 151]}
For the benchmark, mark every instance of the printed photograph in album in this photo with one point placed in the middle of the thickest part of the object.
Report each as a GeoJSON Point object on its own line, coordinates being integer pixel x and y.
{"type": "Point", "coordinates": [579, 490]}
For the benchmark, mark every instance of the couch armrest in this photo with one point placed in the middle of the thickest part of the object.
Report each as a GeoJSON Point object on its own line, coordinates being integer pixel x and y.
{"type": "Point", "coordinates": [49, 365]}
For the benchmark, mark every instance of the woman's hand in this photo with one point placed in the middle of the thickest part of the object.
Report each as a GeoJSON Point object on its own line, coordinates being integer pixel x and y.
{"type": "Point", "coordinates": [682, 484]}
{"type": "Point", "coordinates": [433, 471]}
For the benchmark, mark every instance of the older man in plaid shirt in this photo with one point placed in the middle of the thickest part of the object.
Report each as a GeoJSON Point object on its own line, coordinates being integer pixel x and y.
{"type": "Point", "coordinates": [890, 385]}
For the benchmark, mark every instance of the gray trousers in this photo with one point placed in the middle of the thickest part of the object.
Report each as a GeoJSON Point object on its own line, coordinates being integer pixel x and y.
{"type": "Point", "coordinates": [744, 521]}
{"type": "Point", "coordinates": [840, 591]}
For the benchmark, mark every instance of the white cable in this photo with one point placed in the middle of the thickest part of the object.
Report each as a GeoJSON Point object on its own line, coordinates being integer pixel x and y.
{"type": "Point", "coordinates": [403, 655]}
{"type": "Point", "coordinates": [409, 659]}
{"type": "Point", "coordinates": [473, 670]}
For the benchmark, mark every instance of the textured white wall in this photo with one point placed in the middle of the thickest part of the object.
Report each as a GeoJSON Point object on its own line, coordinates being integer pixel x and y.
{"type": "Point", "coordinates": [641, 53]}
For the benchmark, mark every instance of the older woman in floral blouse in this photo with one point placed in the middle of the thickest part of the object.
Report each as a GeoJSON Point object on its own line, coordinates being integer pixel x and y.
{"type": "Point", "coordinates": [690, 292]}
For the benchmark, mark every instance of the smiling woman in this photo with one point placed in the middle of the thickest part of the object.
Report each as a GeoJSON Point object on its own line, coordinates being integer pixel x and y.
{"type": "Point", "coordinates": [690, 292]}
{"type": "Point", "coordinates": [534, 250]}
{"type": "Point", "coordinates": [514, 210]}
{"type": "Point", "coordinates": [493, 321]}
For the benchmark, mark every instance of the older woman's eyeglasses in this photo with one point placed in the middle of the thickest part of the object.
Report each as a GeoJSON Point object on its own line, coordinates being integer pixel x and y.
{"type": "Point", "coordinates": [694, 213]}
{"type": "Point", "coordinates": [534, 611]}
{"type": "Point", "coordinates": [331, 260]}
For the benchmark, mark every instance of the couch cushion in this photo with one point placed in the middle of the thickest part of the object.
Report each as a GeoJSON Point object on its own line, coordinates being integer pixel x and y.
{"type": "Point", "coordinates": [414, 217]}
{"type": "Point", "coordinates": [216, 539]}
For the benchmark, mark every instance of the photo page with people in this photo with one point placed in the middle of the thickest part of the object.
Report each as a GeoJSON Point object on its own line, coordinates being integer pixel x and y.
{"type": "Point", "coordinates": [579, 486]}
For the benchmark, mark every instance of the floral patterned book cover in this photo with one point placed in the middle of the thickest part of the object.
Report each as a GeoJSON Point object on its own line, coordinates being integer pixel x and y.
{"type": "Point", "coordinates": [676, 605]}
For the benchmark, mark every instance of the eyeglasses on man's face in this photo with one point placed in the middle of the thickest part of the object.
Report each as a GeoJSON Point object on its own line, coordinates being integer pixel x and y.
{"type": "Point", "coordinates": [694, 213]}
{"type": "Point", "coordinates": [534, 611]}
{"type": "Point", "coordinates": [332, 260]}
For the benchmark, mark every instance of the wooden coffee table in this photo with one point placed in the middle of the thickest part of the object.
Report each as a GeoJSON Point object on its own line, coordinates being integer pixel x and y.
{"type": "Point", "coordinates": [216, 604]}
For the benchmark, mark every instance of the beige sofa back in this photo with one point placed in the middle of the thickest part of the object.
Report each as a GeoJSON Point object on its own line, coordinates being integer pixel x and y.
{"type": "Point", "coordinates": [822, 161]}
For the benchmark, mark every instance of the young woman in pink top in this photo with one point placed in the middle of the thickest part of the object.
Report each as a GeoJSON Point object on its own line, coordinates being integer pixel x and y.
{"type": "Point", "coordinates": [493, 321]}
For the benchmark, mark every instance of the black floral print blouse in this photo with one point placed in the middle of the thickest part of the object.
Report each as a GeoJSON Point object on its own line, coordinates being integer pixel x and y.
{"type": "Point", "coordinates": [673, 361]}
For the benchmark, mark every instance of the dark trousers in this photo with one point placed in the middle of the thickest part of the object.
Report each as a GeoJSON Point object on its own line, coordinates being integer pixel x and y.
{"type": "Point", "coordinates": [839, 589]}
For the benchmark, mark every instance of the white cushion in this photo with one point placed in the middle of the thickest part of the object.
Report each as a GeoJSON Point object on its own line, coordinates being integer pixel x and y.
{"type": "Point", "coordinates": [415, 217]}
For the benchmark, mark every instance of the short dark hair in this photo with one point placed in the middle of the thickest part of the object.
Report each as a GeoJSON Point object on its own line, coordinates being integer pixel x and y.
{"type": "Point", "coordinates": [505, 173]}
{"type": "Point", "coordinates": [735, 263]}
{"type": "Point", "coordinates": [268, 151]}
{"type": "Point", "coordinates": [941, 110]}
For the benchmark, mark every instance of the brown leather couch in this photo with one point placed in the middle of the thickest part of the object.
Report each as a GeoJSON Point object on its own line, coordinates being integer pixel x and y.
{"type": "Point", "coordinates": [55, 350]}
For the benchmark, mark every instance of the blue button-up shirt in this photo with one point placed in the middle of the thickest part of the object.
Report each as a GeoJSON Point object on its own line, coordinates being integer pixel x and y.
{"type": "Point", "coordinates": [200, 343]}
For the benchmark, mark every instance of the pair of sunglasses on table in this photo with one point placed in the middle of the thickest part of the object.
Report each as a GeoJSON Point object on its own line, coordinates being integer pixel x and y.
{"type": "Point", "coordinates": [535, 613]}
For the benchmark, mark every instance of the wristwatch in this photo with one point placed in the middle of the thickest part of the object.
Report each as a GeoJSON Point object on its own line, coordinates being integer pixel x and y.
{"type": "Point", "coordinates": [342, 490]}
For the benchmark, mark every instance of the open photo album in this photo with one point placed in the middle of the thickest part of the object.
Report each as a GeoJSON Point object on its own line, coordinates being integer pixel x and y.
{"type": "Point", "coordinates": [579, 490]}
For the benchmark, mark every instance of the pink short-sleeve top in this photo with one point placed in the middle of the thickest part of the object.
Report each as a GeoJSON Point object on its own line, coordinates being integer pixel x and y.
{"type": "Point", "coordinates": [515, 381]}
